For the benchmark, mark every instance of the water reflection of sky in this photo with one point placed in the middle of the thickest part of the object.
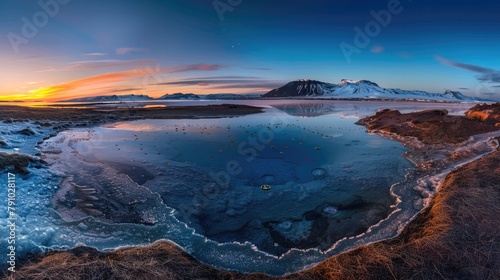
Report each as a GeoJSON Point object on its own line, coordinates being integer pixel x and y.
{"type": "Point", "coordinates": [324, 161]}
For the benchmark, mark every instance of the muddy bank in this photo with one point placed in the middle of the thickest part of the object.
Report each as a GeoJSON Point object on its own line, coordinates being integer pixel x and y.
{"type": "Point", "coordinates": [44, 116]}
{"type": "Point", "coordinates": [429, 127]}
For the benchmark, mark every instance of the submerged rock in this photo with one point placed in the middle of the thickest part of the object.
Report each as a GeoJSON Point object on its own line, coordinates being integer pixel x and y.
{"type": "Point", "coordinates": [27, 132]}
{"type": "Point", "coordinates": [16, 163]}
{"type": "Point", "coordinates": [3, 144]}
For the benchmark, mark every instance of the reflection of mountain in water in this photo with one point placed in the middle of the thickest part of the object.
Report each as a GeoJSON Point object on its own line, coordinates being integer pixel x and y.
{"type": "Point", "coordinates": [306, 109]}
{"type": "Point", "coordinates": [314, 109]}
{"type": "Point", "coordinates": [357, 109]}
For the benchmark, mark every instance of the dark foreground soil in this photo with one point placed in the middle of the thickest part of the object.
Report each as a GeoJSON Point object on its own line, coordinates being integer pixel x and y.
{"type": "Point", "coordinates": [457, 237]}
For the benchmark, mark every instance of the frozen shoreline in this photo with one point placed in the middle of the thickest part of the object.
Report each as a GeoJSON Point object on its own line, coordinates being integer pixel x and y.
{"type": "Point", "coordinates": [479, 148]}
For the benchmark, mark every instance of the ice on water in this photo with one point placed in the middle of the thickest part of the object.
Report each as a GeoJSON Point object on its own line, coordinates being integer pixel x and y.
{"type": "Point", "coordinates": [198, 184]}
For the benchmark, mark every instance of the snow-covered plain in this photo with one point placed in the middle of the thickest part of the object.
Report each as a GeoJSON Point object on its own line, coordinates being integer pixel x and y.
{"type": "Point", "coordinates": [152, 177]}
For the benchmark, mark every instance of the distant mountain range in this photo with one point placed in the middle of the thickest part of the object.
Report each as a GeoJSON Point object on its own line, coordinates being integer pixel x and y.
{"type": "Point", "coordinates": [174, 96]}
{"type": "Point", "coordinates": [111, 98]}
{"type": "Point", "coordinates": [359, 89]}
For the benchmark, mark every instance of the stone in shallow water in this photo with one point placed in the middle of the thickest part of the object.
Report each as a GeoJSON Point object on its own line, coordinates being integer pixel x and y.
{"type": "Point", "coordinates": [265, 187]}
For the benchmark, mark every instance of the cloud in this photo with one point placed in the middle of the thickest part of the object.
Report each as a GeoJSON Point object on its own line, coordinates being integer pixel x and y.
{"type": "Point", "coordinates": [257, 68]}
{"type": "Point", "coordinates": [95, 54]}
{"type": "Point", "coordinates": [377, 49]}
{"type": "Point", "coordinates": [125, 89]}
{"type": "Point", "coordinates": [489, 94]}
{"type": "Point", "coordinates": [90, 81]}
{"type": "Point", "coordinates": [227, 82]}
{"type": "Point", "coordinates": [122, 51]}
{"type": "Point", "coordinates": [108, 63]}
{"type": "Point", "coordinates": [190, 82]}
{"type": "Point", "coordinates": [224, 77]}
{"type": "Point", "coordinates": [486, 74]}
{"type": "Point", "coordinates": [269, 85]}
{"type": "Point", "coordinates": [196, 67]}
{"type": "Point", "coordinates": [113, 77]}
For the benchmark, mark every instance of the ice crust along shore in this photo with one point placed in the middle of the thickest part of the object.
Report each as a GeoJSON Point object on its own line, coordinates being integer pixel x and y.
{"type": "Point", "coordinates": [41, 227]}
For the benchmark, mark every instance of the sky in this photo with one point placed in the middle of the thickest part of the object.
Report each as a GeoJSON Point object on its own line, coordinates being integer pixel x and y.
{"type": "Point", "coordinates": [61, 49]}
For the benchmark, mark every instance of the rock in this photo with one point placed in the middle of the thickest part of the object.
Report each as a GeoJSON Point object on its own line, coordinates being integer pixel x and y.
{"type": "Point", "coordinates": [3, 144]}
{"type": "Point", "coordinates": [27, 131]}
{"type": "Point", "coordinates": [17, 163]}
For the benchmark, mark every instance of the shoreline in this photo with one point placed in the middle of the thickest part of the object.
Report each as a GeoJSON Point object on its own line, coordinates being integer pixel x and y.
{"type": "Point", "coordinates": [157, 248]}
{"type": "Point", "coordinates": [104, 115]}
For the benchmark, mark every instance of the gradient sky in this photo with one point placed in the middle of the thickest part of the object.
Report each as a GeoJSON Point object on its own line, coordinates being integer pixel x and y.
{"type": "Point", "coordinates": [88, 48]}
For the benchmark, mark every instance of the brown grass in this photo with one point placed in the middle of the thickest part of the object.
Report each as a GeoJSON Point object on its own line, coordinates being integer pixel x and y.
{"type": "Point", "coordinates": [430, 126]}
{"type": "Point", "coordinates": [161, 260]}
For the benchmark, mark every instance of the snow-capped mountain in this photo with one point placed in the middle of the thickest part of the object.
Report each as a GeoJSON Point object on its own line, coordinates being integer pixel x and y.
{"type": "Point", "coordinates": [111, 98]}
{"type": "Point", "coordinates": [301, 88]}
{"type": "Point", "coordinates": [179, 96]}
{"type": "Point", "coordinates": [358, 89]}
{"type": "Point", "coordinates": [230, 96]}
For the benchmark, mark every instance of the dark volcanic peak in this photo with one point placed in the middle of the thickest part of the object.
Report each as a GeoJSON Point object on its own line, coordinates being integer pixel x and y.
{"type": "Point", "coordinates": [455, 94]}
{"type": "Point", "coordinates": [300, 88]}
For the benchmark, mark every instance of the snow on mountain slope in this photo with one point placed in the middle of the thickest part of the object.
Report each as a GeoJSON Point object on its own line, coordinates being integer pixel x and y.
{"type": "Point", "coordinates": [228, 96]}
{"type": "Point", "coordinates": [179, 96]}
{"type": "Point", "coordinates": [357, 89]}
{"type": "Point", "coordinates": [111, 98]}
